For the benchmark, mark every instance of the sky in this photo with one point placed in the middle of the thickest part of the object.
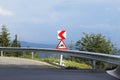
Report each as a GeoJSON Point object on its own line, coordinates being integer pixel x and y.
{"type": "Point", "coordinates": [39, 20]}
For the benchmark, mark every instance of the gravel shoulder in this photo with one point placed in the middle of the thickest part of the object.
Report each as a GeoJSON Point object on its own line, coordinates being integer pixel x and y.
{"type": "Point", "coordinates": [23, 63]}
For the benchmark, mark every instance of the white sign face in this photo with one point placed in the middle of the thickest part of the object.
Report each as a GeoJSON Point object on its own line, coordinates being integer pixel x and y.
{"type": "Point", "coordinates": [61, 45]}
{"type": "Point", "coordinates": [61, 34]}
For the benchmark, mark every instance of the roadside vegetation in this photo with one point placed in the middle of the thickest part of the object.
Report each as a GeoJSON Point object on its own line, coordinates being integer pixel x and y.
{"type": "Point", "coordinates": [68, 64]}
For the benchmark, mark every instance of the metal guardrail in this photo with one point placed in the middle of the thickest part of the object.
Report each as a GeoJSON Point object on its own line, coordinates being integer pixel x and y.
{"type": "Point", "coordinates": [114, 59]}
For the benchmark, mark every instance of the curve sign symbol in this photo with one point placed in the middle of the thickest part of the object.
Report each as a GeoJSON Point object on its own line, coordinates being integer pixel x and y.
{"type": "Point", "coordinates": [62, 34]}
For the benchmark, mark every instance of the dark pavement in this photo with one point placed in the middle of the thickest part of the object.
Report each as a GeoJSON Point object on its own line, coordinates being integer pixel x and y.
{"type": "Point", "coordinates": [52, 74]}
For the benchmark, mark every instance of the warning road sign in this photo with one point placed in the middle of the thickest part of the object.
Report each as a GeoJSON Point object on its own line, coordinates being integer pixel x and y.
{"type": "Point", "coordinates": [61, 45]}
{"type": "Point", "coordinates": [62, 34]}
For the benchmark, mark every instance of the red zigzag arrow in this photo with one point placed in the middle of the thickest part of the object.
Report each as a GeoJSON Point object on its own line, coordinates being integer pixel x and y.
{"type": "Point", "coordinates": [61, 34]}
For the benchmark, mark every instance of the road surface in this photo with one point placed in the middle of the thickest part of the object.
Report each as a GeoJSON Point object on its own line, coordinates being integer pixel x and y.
{"type": "Point", "coordinates": [24, 69]}
{"type": "Point", "coordinates": [52, 74]}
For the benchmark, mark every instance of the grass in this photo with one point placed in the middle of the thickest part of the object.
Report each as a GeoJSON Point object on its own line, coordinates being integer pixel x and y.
{"type": "Point", "coordinates": [55, 60]}
{"type": "Point", "coordinates": [73, 64]}
{"type": "Point", "coordinates": [68, 63]}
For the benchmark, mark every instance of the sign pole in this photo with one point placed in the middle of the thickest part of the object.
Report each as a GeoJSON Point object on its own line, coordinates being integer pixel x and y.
{"type": "Point", "coordinates": [61, 59]}
{"type": "Point", "coordinates": [61, 45]}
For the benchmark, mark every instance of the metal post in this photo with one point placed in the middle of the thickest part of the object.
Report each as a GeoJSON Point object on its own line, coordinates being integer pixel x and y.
{"type": "Point", "coordinates": [61, 58]}
{"type": "Point", "coordinates": [1, 53]}
{"type": "Point", "coordinates": [32, 55]}
{"type": "Point", "coordinates": [94, 64]}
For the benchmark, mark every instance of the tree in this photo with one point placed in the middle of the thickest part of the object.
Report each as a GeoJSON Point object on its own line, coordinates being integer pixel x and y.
{"type": "Point", "coordinates": [71, 47]}
{"type": "Point", "coordinates": [4, 37]}
{"type": "Point", "coordinates": [15, 42]}
{"type": "Point", "coordinates": [5, 42]}
{"type": "Point", "coordinates": [95, 43]}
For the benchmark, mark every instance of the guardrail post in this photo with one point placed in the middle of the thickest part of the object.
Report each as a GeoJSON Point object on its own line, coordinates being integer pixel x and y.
{"type": "Point", "coordinates": [1, 53]}
{"type": "Point", "coordinates": [94, 64]}
{"type": "Point", "coordinates": [32, 55]}
{"type": "Point", "coordinates": [61, 58]}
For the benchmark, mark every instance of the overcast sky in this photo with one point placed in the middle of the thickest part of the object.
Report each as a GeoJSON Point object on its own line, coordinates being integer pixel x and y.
{"type": "Point", "coordinates": [39, 20]}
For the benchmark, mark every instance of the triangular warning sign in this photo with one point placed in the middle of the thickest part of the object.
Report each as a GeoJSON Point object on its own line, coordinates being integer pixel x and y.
{"type": "Point", "coordinates": [61, 45]}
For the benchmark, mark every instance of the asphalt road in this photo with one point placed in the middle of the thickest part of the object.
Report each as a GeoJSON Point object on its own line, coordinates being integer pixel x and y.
{"type": "Point", "coordinates": [26, 69]}
{"type": "Point", "coordinates": [52, 74]}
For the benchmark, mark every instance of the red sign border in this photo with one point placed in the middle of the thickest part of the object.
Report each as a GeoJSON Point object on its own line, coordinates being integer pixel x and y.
{"type": "Point", "coordinates": [59, 44]}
